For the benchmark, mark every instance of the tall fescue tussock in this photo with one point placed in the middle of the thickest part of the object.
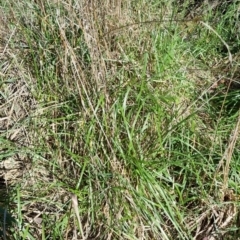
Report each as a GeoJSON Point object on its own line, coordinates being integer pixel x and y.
{"type": "Point", "coordinates": [124, 140]}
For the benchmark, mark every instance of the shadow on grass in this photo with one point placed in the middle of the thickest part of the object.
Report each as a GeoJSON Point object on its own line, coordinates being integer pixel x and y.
{"type": "Point", "coordinates": [7, 222]}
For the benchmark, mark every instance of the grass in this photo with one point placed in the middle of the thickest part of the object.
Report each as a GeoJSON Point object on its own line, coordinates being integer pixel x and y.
{"type": "Point", "coordinates": [116, 122]}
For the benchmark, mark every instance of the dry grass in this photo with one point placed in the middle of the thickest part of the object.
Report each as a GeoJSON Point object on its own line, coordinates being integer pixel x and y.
{"type": "Point", "coordinates": [108, 122]}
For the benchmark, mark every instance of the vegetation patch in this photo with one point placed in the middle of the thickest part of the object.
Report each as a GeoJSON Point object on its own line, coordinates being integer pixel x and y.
{"type": "Point", "coordinates": [119, 120]}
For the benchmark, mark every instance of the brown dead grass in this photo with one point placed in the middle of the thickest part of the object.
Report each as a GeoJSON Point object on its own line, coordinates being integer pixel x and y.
{"type": "Point", "coordinates": [16, 102]}
{"type": "Point", "coordinates": [103, 26]}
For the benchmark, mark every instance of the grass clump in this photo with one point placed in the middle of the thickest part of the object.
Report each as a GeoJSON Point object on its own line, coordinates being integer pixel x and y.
{"type": "Point", "coordinates": [118, 122]}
